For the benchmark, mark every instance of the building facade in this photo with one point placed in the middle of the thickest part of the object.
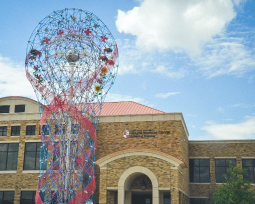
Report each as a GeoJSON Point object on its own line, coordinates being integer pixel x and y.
{"type": "Point", "coordinates": [143, 156]}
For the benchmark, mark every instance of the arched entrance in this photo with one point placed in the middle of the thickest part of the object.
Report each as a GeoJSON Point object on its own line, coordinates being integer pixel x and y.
{"type": "Point", "coordinates": [132, 187]}
{"type": "Point", "coordinates": [141, 190]}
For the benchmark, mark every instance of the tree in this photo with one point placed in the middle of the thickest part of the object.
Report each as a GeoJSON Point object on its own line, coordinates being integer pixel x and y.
{"type": "Point", "coordinates": [235, 190]}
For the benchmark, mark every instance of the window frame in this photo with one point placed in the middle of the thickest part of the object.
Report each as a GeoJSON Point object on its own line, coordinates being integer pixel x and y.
{"type": "Point", "coordinates": [2, 106]}
{"type": "Point", "coordinates": [199, 167]}
{"type": "Point", "coordinates": [6, 162]}
{"type": "Point", "coordinates": [35, 153]}
{"type": "Point", "coordinates": [32, 200]}
{"type": "Point", "coordinates": [2, 197]}
{"type": "Point", "coordinates": [3, 131]}
{"type": "Point", "coordinates": [253, 169]}
{"type": "Point", "coordinates": [225, 170]}
{"type": "Point", "coordinates": [45, 128]}
{"type": "Point", "coordinates": [30, 131]}
{"type": "Point", "coordinates": [19, 108]}
{"type": "Point", "coordinates": [17, 133]}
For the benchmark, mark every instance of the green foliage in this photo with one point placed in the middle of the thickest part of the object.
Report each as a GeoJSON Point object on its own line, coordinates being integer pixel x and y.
{"type": "Point", "coordinates": [235, 190]}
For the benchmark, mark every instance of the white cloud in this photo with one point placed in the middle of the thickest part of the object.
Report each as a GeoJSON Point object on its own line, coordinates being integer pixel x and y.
{"type": "Point", "coordinates": [166, 95]}
{"type": "Point", "coordinates": [118, 97]}
{"type": "Point", "coordinates": [179, 25]}
{"type": "Point", "coordinates": [226, 56]}
{"type": "Point", "coordinates": [243, 130]}
{"type": "Point", "coordinates": [13, 81]}
{"type": "Point", "coordinates": [177, 74]}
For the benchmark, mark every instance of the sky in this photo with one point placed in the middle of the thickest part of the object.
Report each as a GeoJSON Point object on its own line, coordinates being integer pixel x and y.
{"type": "Point", "coordinates": [196, 57]}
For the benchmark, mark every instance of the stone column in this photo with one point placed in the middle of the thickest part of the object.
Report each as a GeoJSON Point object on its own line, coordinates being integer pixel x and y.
{"type": "Point", "coordinates": [121, 195]}
{"type": "Point", "coordinates": [103, 185]}
{"type": "Point", "coordinates": [155, 195]}
{"type": "Point", "coordinates": [174, 185]}
{"type": "Point", "coordinates": [128, 197]}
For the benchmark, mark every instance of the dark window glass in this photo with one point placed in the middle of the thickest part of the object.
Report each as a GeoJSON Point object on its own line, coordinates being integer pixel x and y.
{"type": "Point", "coordinates": [8, 156]}
{"type": "Point", "coordinates": [27, 197]}
{"type": "Point", "coordinates": [249, 167]}
{"type": "Point", "coordinates": [199, 170]}
{"type": "Point", "coordinates": [199, 200]}
{"type": "Point", "coordinates": [15, 131]}
{"type": "Point", "coordinates": [19, 108]}
{"type": "Point", "coordinates": [221, 166]}
{"type": "Point", "coordinates": [46, 129]}
{"type": "Point", "coordinates": [60, 129]}
{"type": "Point", "coordinates": [32, 156]}
{"type": "Point", "coordinates": [30, 130]}
{"type": "Point", "coordinates": [6, 197]}
{"type": "Point", "coordinates": [3, 130]}
{"type": "Point", "coordinates": [4, 109]}
{"type": "Point", "coordinates": [167, 198]}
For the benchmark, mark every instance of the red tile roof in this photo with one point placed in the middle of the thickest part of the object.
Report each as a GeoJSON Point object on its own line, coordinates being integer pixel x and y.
{"type": "Point", "coordinates": [126, 107]}
{"type": "Point", "coordinates": [113, 108]}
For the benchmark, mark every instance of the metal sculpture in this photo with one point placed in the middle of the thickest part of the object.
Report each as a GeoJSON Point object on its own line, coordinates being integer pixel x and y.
{"type": "Point", "coordinates": [71, 63]}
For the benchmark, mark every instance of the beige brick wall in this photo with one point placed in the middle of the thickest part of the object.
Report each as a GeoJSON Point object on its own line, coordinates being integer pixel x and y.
{"type": "Point", "coordinates": [110, 137]}
{"type": "Point", "coordinates": [19, 180]}
{"type": "Point", "coordinates": [212, 150]}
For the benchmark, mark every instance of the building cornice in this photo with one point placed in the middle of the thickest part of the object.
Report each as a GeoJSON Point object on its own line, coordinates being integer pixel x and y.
{"type": "Point", "coordinates": [219, 141]}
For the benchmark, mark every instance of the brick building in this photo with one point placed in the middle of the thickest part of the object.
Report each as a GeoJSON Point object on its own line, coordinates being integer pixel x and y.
{"type": "Point", "coordinates": [155, 164]}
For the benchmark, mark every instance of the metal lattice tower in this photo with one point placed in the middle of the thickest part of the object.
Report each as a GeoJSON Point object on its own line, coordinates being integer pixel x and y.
{"type": "Point", "coordinates": [71, 63]}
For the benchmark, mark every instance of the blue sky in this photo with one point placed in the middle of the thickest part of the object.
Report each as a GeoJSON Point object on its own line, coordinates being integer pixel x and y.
{"type": "Point", "coordinates": [195, 57]}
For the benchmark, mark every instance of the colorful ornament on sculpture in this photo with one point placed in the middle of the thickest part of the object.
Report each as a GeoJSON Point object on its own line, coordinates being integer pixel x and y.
{"type": "Point", "coordinates": [71, 63]}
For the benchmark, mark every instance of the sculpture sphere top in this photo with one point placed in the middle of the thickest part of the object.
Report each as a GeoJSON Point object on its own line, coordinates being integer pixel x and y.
{"type": "Point", "coordinates": [70, 47]}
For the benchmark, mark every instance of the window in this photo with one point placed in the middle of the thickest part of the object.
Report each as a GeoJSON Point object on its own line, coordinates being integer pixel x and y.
{"type": "Point", "coordinates": [58, 129]}
{"type": "Point", "coordinates": [30, 130]}
{"type": "Point", "coordinates": [46, 130]}
{"type": "Point", "coordinates": [32, 156]}
{"type": "Point", "coordinates": [6, 197]}
{"type": "Point", "coordinates": [15, 131]}
{"type": "Point", "coordinates": [199, 200]}
{"type": "Point", "coordinates": [8, 156]}
{"type": "Point", "coordinates": [27, 197]}
{"type": "Point", "coordinates": [19, 108]}
{"type": "Point", "coordinates": [3, 130]}
{"type": "Point", "coordinates": [199, 170]}
{"type": "Point", "coordinates": [167, 198]}
{"type": "Point", "coordinates": [221, 166]}
{"type": "Point", "coordinates": [249, 166]}
{"type": "Point", "coordinates": [4, 109]}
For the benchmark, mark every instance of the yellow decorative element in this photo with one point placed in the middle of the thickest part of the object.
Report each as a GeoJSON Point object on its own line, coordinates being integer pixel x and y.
{"type": "Point", "coordinates": [104, 70]}
{"type": "Point", "coordinates": [97, 88]}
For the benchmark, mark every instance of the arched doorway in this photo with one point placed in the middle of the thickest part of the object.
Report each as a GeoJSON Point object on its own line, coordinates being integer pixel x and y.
{"type": "Point", "coordinates": [141, 190]}
{"type": "Point", "coordinates": [138, 185]}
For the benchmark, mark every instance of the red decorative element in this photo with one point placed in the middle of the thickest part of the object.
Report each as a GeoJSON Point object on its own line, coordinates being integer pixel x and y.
{"type": "Point", "coordinates": [110, 62]}
{"type": "Point", "coordinates": [63, 102]}
{"type": "Point", "coordinates": [104, 38]}
{"type": "Point", "coordinates": [46, 40]}
{"type": "Point", "coordinates": [87, 31]}
{"type": "Point", "coordinates": [60, 32]}
{"type": "Point", "coordinates": [107, 50]}
{"type": "Point", "coordinates": [35, 68]}
{"type": "Point", "coordinates": [35, 52]}
{"type": "Point", "coordinates": [103, 58]}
